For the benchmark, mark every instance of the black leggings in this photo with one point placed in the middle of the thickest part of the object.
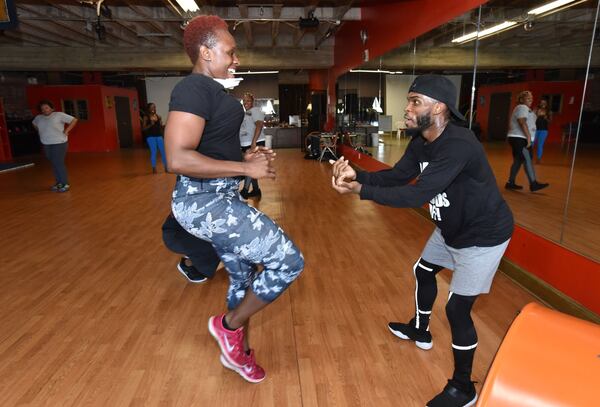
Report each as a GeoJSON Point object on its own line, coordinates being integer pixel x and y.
{"type": "Point", "coordinates": [521, 155]}
{"type": "Point", "coordinates": [458, 311]}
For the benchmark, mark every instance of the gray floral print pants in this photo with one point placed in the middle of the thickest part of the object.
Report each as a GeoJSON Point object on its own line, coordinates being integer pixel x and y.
{"type": "Point", "coordinates": [212, 210]}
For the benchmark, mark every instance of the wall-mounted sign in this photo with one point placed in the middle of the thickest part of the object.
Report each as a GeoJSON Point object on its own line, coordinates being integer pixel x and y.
{"type": "Point", "coordinates": [8, 15]}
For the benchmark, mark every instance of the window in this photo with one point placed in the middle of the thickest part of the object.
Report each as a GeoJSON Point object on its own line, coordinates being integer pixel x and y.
{"type": "Point", "coordinates": [554, 102]}
{"type": "Point", "coordinates": [76, 108]}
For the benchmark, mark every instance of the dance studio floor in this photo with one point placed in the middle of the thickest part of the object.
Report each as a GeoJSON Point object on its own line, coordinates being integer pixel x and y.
{"type": "Point", "coordinates": [93, 311]}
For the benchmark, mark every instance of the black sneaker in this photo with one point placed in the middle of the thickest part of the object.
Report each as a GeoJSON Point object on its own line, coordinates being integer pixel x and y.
{"type": "Point", "coordinates": [190, 272]}
{"type": "Point", "coordinates": [512, 185]}
{"type": "Point", "coordinates": [452, 396]}
{"type": "Point", "coordinates": [255, 192]}
{"type": "Point", "coordinates": [536, 186]}
{"type": "Point", "coordinates": [408, 331]}
{"type": "Point", "coordinates": [244, 193]}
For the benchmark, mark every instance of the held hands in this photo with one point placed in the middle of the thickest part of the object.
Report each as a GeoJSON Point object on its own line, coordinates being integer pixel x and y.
{"type": "Point", "coordinates": [343, 178]}
{"type": "Point", "coordinates": [258, 162]}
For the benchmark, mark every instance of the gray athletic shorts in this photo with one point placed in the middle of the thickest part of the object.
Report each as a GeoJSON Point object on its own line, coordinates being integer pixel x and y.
{"type": "Point", "coordinates": [473, 267]}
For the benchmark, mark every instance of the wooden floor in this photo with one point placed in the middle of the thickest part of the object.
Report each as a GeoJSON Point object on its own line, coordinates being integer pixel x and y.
{"type": "Point", "coordinates": [543, 212]}
{"type": "Point", "coordinates": [93, 311]}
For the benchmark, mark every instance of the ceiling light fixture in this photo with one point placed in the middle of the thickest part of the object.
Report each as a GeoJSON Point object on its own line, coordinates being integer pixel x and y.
{"type": "Point", "coordinates": [188, 5]}
{"type": "Point", "coordinates": [541, 11]}
{"type": "Point", "coordinates": [377, 71]}
{"type": "Point", "coordinates": [548, 7]}
{"type": "Point", "coordinates": [484, 33]}
{"type": "Point", "coordinates": [255, 72]}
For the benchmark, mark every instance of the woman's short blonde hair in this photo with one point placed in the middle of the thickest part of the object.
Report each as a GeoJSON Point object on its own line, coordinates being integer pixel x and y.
{"type": "Point", "coordinates": [521, 97]}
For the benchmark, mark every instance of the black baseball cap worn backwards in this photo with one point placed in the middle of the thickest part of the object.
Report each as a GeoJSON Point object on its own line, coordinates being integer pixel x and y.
{"type": "Point", "coordinates": [439, 88]}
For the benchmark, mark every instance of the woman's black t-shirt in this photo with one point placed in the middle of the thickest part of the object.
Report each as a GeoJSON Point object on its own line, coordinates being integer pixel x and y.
{"type": "Point", "coordinates": [200, 95]}
{"type": "Point", "coordinates": [155, 129]}
{"type": "Point", "coordinates": [541, 123]}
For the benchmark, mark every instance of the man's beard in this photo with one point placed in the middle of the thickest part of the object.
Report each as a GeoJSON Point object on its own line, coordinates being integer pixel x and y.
{"type": "Point", "coordinates": [424, 122]}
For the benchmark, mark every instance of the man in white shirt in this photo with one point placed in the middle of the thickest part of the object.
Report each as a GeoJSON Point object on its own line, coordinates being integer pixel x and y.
{"type": "Point", "coordinates": [54, 137]}
{"type": "Point", "coordinates": [251, 135]}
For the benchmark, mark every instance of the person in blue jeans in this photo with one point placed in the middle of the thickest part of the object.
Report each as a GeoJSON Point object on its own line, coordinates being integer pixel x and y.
{"type": "Point", "coordinates": [152, 128]}
{"type": "Point", "coordinates": [541, 123]}
{"type": "Point", "coordinates": [203, 147]}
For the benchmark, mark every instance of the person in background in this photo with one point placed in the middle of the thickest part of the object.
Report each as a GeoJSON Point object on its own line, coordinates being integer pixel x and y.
{"type": "Point", "coordinates": [152, 128]}
{"type": "Point", "coordinates": [202, 141]}
{"type": "Point", "coordinates": [541, 128]}
{"type": "Point", "coordinates": [54, 137]}
{"type": "Point", "coordinates": [251, 135]}
{"type": "Point", "coordinates": [521, 134]}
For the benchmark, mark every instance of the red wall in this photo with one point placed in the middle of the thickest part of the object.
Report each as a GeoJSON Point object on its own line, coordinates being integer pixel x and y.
{"type": "Point", "coordinates": [317, 79]}
{"type": "Point", "coordinates": [99, 133]}
{"type": "Point", "coordinates": [572, 274]}
{"type": "Point", "coordinates": [110, 121]}
{"type": "Point", "coordinates": [569, 111]}
{"type": "Point", "coordinates": [5, 152]}
{"type": "Point", "coordinates": [388, 26]}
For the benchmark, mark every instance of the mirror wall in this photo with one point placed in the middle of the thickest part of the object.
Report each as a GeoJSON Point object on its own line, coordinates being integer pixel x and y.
{"type": "Point", "coordinates": [545, 53]}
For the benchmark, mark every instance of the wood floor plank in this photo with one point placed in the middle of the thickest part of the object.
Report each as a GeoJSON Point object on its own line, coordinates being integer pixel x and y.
{"type": "Point", "coordinates": [93, 311]}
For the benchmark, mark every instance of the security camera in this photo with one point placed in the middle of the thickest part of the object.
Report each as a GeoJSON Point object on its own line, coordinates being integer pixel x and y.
{"type": "Point", "coordinates": [528, 26]}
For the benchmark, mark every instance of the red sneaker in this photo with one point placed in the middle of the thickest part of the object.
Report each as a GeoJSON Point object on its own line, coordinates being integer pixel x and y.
{"type": "Point", "coordinates": [230, 342]}
{"type": "Point", "coordinates": [250, 371]}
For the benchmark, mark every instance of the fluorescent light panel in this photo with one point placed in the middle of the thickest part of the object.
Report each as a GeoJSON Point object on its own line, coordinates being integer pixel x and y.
{"type": "Point", "coordinates": [484, 33]}
{"type": "Point", "coordinates": [376, 71]}
{"type": "Point", "coordinates": [254, 72]}
{"type": "Point", "coordinates": [188, 5]}
{"type": "Point", "coordinates": [550, 6]}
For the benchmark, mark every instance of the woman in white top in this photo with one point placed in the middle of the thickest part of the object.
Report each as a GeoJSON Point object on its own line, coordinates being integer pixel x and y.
{"type": "Point", "coordinates": [520, 138]}
{"type": "Point", "coordinates": [53, 135]}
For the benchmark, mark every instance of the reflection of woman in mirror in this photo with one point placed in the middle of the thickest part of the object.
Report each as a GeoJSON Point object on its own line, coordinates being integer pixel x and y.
{"type": "Point", "coordinates": [543, 117]}
{"type": "Point", "coordinates": [521, 134]}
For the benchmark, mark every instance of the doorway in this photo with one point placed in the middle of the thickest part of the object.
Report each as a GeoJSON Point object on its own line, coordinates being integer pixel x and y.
{"type": "Point", "coordinates": [499, 116]}
{"type": "Point", "coordinates": [124, 127]}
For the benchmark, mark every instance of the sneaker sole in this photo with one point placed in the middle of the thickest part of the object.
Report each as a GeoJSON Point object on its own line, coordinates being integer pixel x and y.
{"type": "Point", "coordinates": [239, 371]}
{"type": "Point", "coordinates": [188, 278]}
{"type": "Point", "coordinates": [420, 345]}
{"type": "Point", "coordinates": [221, 346]}
{"type": "Point", "coordinates": [470, 403]}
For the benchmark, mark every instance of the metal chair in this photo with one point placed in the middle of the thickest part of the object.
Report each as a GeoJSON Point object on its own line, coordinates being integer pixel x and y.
{"type": "Point", "coordinates": [328, 143]}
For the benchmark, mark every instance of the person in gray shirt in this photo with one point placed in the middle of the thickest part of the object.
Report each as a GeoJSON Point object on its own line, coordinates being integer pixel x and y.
{"type": "Point", "coordinates": [54, 137]}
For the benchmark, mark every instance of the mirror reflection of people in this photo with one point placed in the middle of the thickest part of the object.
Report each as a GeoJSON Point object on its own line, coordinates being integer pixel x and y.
{"type": "Point", "coordinates": [54, 138]}
{"type": "Point", "coordinates": [541, 128]}
{"type": "Point", "coordinates": [520, 137]}
{"type": "Point", "coordinates": [473, 222]}
{"type": "Point", "coordinates": [251, 135]}
{"type": "Point", "coordinates": [152, 128]}
{"type": "Point", "coordinates": [203, 148]}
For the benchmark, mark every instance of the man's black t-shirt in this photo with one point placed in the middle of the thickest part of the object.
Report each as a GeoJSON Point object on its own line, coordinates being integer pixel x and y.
{"type": "Point", "coordinates": [454, 176]}
{"type": "Point", "coordinates": [204, 97]}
